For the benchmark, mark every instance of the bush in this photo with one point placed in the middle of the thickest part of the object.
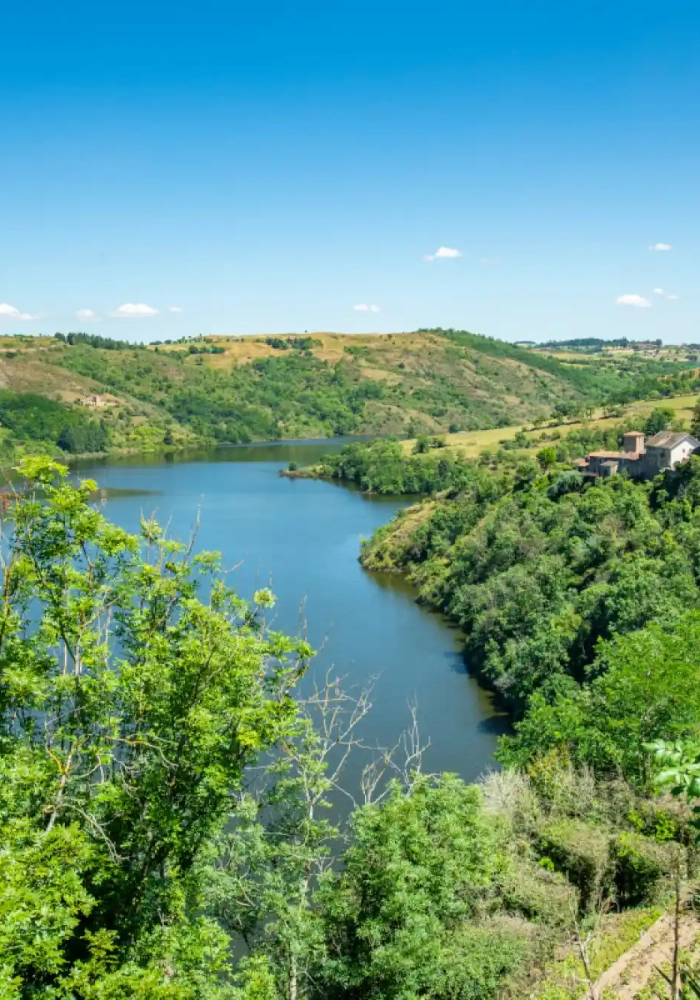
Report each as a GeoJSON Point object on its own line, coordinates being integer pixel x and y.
{"type": "Point", "coordinates": [640, 866]}
{"type": "Point", "coordinates": [477, 960]}
{"type": "Point", "coordinates": [658, 420]}
{"type": "Point", "coordinates": [547, 457]}
{"type": "Point", "coordinates": [422, 445]}
{"type": "Point", "coordinates": [582, 852]}
{"type": "Point", "coordinates": [538, 894]}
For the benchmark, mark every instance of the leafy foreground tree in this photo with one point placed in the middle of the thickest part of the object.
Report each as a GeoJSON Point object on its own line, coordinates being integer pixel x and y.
{"type": "Point", "coordinates": [130, 706]}
{"type": "Point", "coordinates": [141, 850]}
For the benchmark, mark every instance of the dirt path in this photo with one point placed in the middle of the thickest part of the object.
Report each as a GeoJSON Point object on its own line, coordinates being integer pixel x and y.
{"type": "Point", "coordinates": [632, 971]}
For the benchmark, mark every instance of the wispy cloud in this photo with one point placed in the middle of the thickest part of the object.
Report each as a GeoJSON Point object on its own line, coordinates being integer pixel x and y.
{"type": "Point", "coordinates": [9, 312]}
{"type": "Point", "coordinates": [363, 307]}
{"type": "Point", "coordinates": [443, 253]}
{"type": "Point", "coordinates": [661, 246]}
{"type": "Point", "coordinates": [663, 294]}
{"type": "Point", "coordinates": [638, 301]}
{"type": "Point", "coordinates": [175, 309]}
{"type": "Point", "coordinates": [135, 310]}
{"type": "Point", "coordinates": [671, 296]}
{"type": "Point", "coordinates": [86, 314]}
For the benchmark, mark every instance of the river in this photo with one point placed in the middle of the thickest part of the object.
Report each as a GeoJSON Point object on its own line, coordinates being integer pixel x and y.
{"type": "Point", "coordinates": [301, 537]}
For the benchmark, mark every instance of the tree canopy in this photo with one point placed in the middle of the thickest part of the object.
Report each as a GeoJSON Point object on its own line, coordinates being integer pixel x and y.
{"type": "Point", "coordinates": [169, 827]}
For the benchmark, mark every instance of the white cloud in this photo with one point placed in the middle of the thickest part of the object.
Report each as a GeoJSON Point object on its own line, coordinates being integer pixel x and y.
{"type": "Point", "coordinates": [135, 310]}
{"type": "Point", "coordinates": [86, 314]}
{"type": "Point", "coordinates": [659, 291]}
{"type": "Point", "coordinates": [9, 312]}
{"type": "Point", "coordinates": [671, 296]}
{"type": "Point", "coordinates": [442, 253]}
{"type": "Point", "coordinates": [363, 307]}
{"type": "Point", "coordinates": [633, 300]}
{"type": "Point", "coordinates": [661, 246]}
{"type": "Point", "coordinates": [175, 309]}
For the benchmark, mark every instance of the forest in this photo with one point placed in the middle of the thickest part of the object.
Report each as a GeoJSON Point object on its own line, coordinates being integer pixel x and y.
{"type": "Point", "coordinates": [31, 423]}
{"type": "Point", "coordinates": [171, 767]}
{"type": "Point", "coordinates": [556, 581]}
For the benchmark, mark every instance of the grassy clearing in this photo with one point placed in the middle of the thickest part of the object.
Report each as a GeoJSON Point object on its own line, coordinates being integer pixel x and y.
{"type": "Point", "coordinates": [470, 444]}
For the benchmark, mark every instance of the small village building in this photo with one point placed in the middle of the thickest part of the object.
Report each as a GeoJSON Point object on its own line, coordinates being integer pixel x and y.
{"type": "Point", "coordinates": [640, 459]}
{"type": "Point", "coordinates": [93, 401]}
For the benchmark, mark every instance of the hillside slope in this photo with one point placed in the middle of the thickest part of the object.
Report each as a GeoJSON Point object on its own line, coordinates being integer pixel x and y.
{"type": "Point", "coordinates": [262, 388]}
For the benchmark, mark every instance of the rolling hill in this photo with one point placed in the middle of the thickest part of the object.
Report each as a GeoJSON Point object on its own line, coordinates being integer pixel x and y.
{"type": "Point", "coordinates": [225, 389]}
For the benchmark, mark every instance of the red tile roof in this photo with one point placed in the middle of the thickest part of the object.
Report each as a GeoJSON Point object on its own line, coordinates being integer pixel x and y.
{"type": "Point", "coordinates": [629, 455]}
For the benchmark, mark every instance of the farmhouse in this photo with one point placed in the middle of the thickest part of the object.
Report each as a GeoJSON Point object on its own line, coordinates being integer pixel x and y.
{"type": "Point", "coordinates": [93, 401]}
{"type": "Point", "coordinates": [640, 459]}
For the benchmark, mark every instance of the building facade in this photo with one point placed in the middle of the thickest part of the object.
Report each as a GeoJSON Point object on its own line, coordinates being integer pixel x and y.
{"type": "Point", "coordinates": [642, 460]}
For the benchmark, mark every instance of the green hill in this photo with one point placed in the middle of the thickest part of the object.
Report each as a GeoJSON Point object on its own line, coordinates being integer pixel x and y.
{"type": "Point", "coordinates": [109, 395]}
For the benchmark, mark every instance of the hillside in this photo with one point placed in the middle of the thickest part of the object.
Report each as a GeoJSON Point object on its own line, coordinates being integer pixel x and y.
{"type": "Point", "coordinates": [265, 388]}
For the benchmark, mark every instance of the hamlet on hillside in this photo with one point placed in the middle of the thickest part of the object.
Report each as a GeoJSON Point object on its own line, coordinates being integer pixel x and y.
{"type": "Point", "coordinates": [642, 460]}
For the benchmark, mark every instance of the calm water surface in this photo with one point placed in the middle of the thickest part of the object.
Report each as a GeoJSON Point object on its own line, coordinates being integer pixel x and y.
{"type": "Point", "coordinates": [302, 538]}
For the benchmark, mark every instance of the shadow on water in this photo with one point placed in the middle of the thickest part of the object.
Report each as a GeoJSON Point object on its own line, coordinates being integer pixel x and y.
{"type": "Point", "coordinates": [114, 493]}
{"type": "Point", "coordinates": [495, 721]}
{"type": "Point", "coordinates": [302, 452]}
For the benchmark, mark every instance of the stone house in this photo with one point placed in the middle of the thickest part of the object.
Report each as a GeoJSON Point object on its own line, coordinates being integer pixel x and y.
{"type": "Point", "coordinates": [640, 459]}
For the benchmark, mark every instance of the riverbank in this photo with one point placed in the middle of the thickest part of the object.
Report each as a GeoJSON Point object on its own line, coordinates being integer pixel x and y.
{"type": "Point", "coordinates": [186, 450]}
{"type": "Point", "coordinates": [310, 472]}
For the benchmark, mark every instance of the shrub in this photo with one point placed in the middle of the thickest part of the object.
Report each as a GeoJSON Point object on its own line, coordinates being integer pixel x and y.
{"type": "Point", "coordinates": [477, 959]}
{"type": "Point", "coordinates": [538, 894]}
{"type": "Point", "coordinates": [422, 445]}
{"type": "Point", "coordinates": [582, 852]}
{"type": "Point", "coordinates": [640, 866]}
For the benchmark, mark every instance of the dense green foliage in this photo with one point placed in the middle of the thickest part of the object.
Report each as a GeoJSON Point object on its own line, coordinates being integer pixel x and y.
{"type": "Point", "coordinates": [166, 821]}
{"type": "Point", "coordinates": [644, 687]}
{"type": "Point", "coordinates": [576, 602]}
{"type": "Point", "coordinates": [293, 395]}
{"type": "Point", "coordinates": [201, 390]}
{"type": "Point", "coordinates": [659, 419]}
{"type": "Point", "coordinates": [127, 715]}
{"type": "Point", "coordinates": [36, 421]}
{"type": "Point", "coordinates": [94, 340]}
{"type": "Point", "coordinates": [380, 466]}
{"type": "Point", "coordinates": [293, 343]}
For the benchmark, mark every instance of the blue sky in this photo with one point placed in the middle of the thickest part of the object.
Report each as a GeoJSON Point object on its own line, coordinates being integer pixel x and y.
{"type": "Point", "coordinates": [270, 167]}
